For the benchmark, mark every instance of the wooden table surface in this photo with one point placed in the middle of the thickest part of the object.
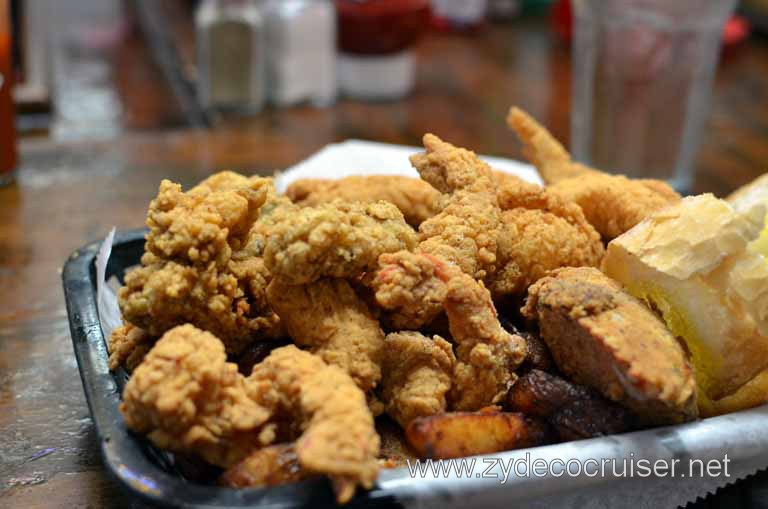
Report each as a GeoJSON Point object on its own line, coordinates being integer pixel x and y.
{"type": "Point", "coordinates": [72, 193]}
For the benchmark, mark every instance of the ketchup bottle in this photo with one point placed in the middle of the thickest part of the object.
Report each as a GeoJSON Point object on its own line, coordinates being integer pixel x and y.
{"type": "Point", "coordinates": [8, 154]}
{"type": "Point", "coordinates": [376, 39]}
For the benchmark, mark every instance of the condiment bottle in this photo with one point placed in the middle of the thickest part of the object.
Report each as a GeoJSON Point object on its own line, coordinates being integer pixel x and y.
{"type": "Point", "coordinates": [8, 150]}
{"type": "Point", "coordinates": [301, 51]}
{"type": "Point", "coordinates": [231, 56]}
{"type": "Point", "coordinates": [376, 39]}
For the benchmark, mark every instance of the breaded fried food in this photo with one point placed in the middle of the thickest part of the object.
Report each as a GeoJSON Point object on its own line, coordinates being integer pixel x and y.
{"type": "Point", "coordinates": [328, 317]}
{"type": "Point", "coordinates": [199, 267]}
{"type": "Point", "coordinates": [466, 230]}
{"type": "Point", "coordinates": [602, 337]}
{"type": "Point", "coordinates": [574, 411]}
{"type": "Point", "coordinates": [410, 287]}
{"type": "Point", "coordinates": [613, 204]}
{"type": "Point", "coordinates": [464, 235]}
{"type": "Point", "coordinates": [338, 438]}
{"type": "Point", "coordinates": [416, 199]}
{"type": "Point", "coordinates": [540, 232]}
{"type": "Point", "coordinates": [128, 345]}
{"type": "Point", "coordinates": [336, 239]}
{"type": "Point", "coordinates": [417, 375]}
{"type": "Point", "coordinates": [186, 397]}
{"type": "Point", "coordinates": [487, 354]}
{"type": "Point", "coordinates": [395, 451]}
{"type": "Point", "coordinates": [461, 434]}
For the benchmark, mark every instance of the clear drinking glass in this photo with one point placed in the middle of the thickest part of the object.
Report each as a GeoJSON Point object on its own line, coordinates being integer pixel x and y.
{"type": "Point", "coordinates": [642, 83]}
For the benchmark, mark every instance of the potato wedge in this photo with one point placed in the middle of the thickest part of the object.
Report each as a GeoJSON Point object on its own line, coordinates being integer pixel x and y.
{"type": "Point", "coordinates": [542, 394]}
{"type": "Point", "coordinates": [574, 411]}
{"type": "Point", "coordinates": [458, 434]}
{"type": "Point", "coordinates": [270, 466]}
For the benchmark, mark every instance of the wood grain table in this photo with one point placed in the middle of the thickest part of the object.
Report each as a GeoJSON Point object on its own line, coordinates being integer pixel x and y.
{"type": "Point", "coordinates": [68, 194]}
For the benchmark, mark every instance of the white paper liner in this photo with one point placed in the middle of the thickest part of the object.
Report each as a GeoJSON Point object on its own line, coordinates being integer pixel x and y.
{"type": "Point", "coordinates": [106, 298]}
{"type": "Point", "coordinates": [358, 157]}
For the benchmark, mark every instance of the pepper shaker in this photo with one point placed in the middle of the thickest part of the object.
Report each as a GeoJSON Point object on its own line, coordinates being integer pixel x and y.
{"type": "Point", "coordinates": [231, 56]}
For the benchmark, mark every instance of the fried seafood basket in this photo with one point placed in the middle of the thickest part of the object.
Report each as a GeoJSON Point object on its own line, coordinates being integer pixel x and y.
{"type": "Point", "coordinates": [600, 472]}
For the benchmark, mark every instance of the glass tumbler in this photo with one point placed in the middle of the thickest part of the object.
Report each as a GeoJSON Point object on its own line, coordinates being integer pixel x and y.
{"type": "Point", "coordinates": [642, 80]}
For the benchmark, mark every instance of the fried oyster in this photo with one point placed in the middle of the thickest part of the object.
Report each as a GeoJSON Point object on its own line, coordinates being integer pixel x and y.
{"type": "Point", "coordinates": [200, 266]}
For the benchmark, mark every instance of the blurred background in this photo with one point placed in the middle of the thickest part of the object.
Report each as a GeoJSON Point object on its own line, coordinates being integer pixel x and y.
{"type": "Point", "coordinates": [101, 99]}
{"type": "Point", "coordinates": [313, 72]}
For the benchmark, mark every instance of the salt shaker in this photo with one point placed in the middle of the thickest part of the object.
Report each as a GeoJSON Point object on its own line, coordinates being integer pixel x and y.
{"type": "Point", "coordinates": [231, 56]}
{"type": "Point", "coordinates": [301, 51]}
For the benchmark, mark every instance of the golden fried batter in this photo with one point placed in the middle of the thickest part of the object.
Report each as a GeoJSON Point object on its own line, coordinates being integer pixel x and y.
{"type": "Point", "coordinates": [416, 199]}
{"type": "Point", "coordinates": [199, 267]}
{"type": "Point", "coordinates": [466, 230]}
{"type": "Point", "coordinates": [338, 437]}
{"type": "Point", "coordinates": [186, 397]}
{"type": "Point", "coordinates": [335, 323]}
{"type": "Point", "coordinates": [128, 345]}
{"type": "Point", "coordinates": [417, 375]}
{"type": "Point", "coordinates": [411, 286]}
{"type": "Point", "coordinates": [487, 354]}
{"type": "Point", "coordinates": [335, 239]}
{"type": "Point", "coordinates": [613, 204]}
{"type": "Point", "coordinates": [540, 232]}
{"type": "Point", "coordinates": [464, 235]}
{"type": "Point", "coordinates": [602, 337]}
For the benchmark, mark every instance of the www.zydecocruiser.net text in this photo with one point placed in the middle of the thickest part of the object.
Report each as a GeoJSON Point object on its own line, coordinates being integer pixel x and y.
{"type": "Point", "coordinates": [505, 468]}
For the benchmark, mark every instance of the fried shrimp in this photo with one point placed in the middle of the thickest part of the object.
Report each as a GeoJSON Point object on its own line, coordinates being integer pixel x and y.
{"type": "Point", "coordinates": [613, 204]}
{"type": "Point", "coordinates": [336, 239]}
{"type": "Point", "coordinates": [466, 230]}
{"type": "Point", "coordinates": [411, 287]}
{"type": "Point", "coordinates": [338, 437]}
{"type": "Point", "coordinates": [335, 323]}
{"type": "Point", "coordinates": [487, 354]}
{"type": "Point", "coordinates": [464, 235]}
{"type": "Point", "coordinates": [417, 375]}
{"type": "Point", "coordinates": [186, 397]}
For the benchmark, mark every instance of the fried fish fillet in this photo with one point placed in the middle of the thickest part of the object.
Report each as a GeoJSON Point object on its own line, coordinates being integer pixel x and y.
{"type": "Point", "coordinates": [611, 203]}
{"type": "Point", "coordinates": [337, 239]}
{"type": "Point", "coordinates": [602, 337]}
{"type": "Point", "coordinates": [328, 317]}
{"type": "Point", "coordinates": [416, 199]}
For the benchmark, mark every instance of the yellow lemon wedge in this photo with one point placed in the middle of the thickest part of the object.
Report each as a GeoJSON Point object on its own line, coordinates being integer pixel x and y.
{"type": "Point", "coordinates": [693, 263]}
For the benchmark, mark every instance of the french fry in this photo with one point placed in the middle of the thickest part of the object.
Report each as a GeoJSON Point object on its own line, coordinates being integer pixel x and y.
{"type": "Point", "coordinates": [458, 434]}
{"type": "Point", "coordinates": [270, 466]}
